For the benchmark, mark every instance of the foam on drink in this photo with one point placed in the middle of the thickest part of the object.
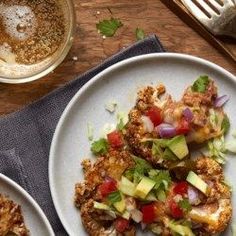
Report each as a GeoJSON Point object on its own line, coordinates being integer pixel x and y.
{"type": "Point", "coordinates": [32, 32]}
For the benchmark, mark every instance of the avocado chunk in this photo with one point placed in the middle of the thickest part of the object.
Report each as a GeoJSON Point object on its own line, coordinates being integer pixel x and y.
{"type": "Point", "coordinates": [197, 182]}
{"type": "Point", "coordinates": [181, 229]}
{"type": "Point", "coordinates": [179, 146]}
{"type": "Point", "coordinates": [144, 187]}
{"type": "Point", "coordinates": [127, 187]}
{"type": "Point", "coordinates": [120, 206]}
{"type": "Point", "coordinates": [100, 206]}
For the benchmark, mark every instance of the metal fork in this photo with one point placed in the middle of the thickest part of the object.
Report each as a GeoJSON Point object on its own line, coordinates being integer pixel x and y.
{"type": "Point", "coordinates": [218, 16]}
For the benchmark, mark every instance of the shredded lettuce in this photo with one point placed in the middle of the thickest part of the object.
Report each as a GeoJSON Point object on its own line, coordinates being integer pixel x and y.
{"type": "Point", "coordinates": [107, 128]}
{"type": "Point", "coordinates": [90, 131]}
{"type": "Point", "coordinates": [231, 145]}
{"type": "Point", "coordinates": [233, 229]}
{"type": "Point", "coordinates": [217, 150]}
{"type": "Point", "coordinates": [213, 118]}
{"type": "Point", "coordinates": [111, 106]}
{"type": "Point", "coordinates": [225, 125]}
{"type": "Point", "coordinates": [122, 120]}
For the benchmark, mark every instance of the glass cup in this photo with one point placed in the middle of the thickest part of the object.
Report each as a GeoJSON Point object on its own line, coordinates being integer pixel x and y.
{"type": "Point", "coordinates": [37, 37]}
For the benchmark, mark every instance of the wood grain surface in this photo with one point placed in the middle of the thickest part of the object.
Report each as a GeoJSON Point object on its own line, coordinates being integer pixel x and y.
{"type": "Point", "coordinates": [90, 48]}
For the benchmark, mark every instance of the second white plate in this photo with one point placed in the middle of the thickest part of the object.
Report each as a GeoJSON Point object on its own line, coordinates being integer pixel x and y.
{"type": "Point", "coordinates": [35, 219]}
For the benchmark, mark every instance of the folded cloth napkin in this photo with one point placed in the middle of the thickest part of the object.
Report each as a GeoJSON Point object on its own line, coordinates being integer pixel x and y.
{"type": "Point", "coordinates": [26, 135]}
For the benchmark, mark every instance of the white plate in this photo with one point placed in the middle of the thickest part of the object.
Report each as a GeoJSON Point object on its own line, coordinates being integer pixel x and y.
{"type": "Point", "coordinates": [120, 82]}
{"type": "Point", "coordinates": [35, 220]}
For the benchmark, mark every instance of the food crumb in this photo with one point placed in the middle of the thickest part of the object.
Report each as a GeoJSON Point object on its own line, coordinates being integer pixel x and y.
{"type": "Point", "coordinates": [98, 12]}
{"type": "Point", "coordinates": [75, 58]}
{"type": "Point", "coordinates": [104, 37]}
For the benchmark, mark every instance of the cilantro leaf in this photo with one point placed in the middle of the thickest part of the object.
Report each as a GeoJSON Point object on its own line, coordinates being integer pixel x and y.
{"type": "Point", "coordinates": [139, 33]}
{"type": "Point", "coordinates": [200, 85]}
{"type": "Point", "coordinates": [99, 147]}
{"type": "Point", "coordinates": [185, 205]}
{"type": "Point", "coordinates": [140, 169]}
{"type": "Point", "coordinates": [162, 179]}
{"type": "Point", "coordinates": [225, 125]}
{"type": "Point", "coordinates": [109, 27]}
{"type": "Point", "coordinates": [142, 163]}
{"type": "Point", "coordinates": [114, 197]}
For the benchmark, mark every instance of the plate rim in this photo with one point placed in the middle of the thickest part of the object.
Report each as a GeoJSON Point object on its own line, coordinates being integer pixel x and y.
{"type": "Point", "coordinates": [28, 197]}
{"type": "Point", "coordinates": [158, 55]}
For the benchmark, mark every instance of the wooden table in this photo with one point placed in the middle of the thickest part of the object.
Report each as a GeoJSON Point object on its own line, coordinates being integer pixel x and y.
{"type": "Point", "coordinates": [90, 48]}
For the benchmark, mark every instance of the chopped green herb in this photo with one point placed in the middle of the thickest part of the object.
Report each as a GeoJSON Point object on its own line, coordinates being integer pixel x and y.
{"type": "Point", "coordinates": [139, 34]}
{"type": "Point", "coordinates": [225, 124]}
{"type": "Point", "coordinates": [142, 163]}
{"type": "Point", "coordinates": [185, 205]}
{"type": "Point", "coordinates": [109, 27]}
{"type": "Point", "coordinates": [141, 168]}
{"type": "Point", "coordinates": [200, 85]}
{"type": "Point", "coordinates": [114, 197]}
{"type": "Point", "coordinates": [99, 147]}
{"type": "Point", "coordinates": [162, 179]}
{"type": "Point", "coordinates": [129, 174]}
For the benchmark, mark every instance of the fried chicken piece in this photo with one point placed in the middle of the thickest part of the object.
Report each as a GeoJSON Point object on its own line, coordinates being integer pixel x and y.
{"type": "Point", "coordinates": [216, 211]}
{"type": "Point", "coordinates": [113, 165]}
{"type": "Point", "coordinates": [11, 219]}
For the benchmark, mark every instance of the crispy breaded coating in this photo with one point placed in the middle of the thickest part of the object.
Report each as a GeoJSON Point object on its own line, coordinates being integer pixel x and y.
{"type": "Point", "coordinates": [197, 99]}
{"type": "Point", "coordinates": [113, 164]}
{"type": "Point", "coordinates": [215, 213]}
{"type": "Point", "coordinates": [11, 218]}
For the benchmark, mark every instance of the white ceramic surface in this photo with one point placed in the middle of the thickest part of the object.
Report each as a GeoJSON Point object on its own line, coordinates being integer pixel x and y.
{"type": "Point", "coordinates": [35, 220]}
{"type": "Point", "coordinates": [121, 82]}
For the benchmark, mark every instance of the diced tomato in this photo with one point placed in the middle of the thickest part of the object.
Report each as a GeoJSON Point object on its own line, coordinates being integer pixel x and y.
{"type": "Point", "coordinates": [148, 213]}
{"type": "Point", "coordinates": [175, 210]}
{"type": "Point", "coordinates": [121, 224]}
{"type": "Point", "coordinates": [181, 188]}
{"type": "Point", "coordinates": [154, 114]}
{"type": "Point", "coordinates": [183, 127]}
{"type": "Point", "coordinates": [115, 139]}
{"type": "Point", "coordinates": [107, 187]}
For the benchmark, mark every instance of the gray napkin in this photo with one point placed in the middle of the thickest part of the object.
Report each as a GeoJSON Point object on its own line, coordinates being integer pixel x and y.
{"type": "Point", "coordinates": [25, 136]}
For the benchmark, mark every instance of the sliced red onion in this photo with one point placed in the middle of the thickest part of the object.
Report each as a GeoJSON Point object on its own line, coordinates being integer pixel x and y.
{"type": "Point", "coordinates": [193, 196]}
{"type": "Point", "coordinates": [166, 130]}
{"type": "Point", "coordinates": [136, 215]}
{"type": "Point", "coordinates": [188, 115]}
{"type": "Point", "coordinates": [220, 101]}
{"type": "Point", "coordinates": [147, 123]}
